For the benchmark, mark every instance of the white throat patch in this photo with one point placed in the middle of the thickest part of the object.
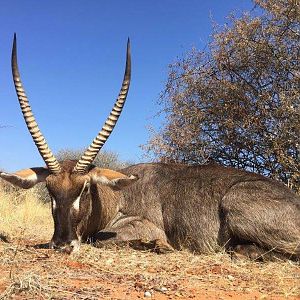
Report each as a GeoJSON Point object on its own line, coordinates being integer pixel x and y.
{"type": "Point", "coordinates": [53, 204]}
{"type": "Point", "coordinates": [76, 203]}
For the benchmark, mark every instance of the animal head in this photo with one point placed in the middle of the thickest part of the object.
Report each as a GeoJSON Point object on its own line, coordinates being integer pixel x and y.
{"type": "Point", "coordinates": [70, 182]}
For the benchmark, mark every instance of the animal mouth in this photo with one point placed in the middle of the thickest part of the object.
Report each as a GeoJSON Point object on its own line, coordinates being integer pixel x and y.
{"type": "Point", "coordinates": [72, 247]}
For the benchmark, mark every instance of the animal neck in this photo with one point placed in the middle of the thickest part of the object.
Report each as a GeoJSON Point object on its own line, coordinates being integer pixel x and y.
{"type": "Point", "coordinates": [105, 204]}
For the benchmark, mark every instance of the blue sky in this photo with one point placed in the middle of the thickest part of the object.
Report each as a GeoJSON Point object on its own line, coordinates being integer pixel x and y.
{"type": "Point", "coordinates": [71, 58]}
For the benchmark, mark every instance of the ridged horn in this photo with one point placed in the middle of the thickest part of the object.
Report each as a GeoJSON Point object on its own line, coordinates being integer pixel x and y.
{"type": "Point", "coordinates": [92, 151]}
{"type": "Point", "coordinates": [32, 125]}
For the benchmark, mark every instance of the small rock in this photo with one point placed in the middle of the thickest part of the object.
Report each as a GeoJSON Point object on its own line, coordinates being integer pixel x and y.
{"type": "Point", "coordinates": [147, 294]}
{"type": "Point", "coordinates": [161, 289]}
{"type": "Point", "coordinates": [230, 277]}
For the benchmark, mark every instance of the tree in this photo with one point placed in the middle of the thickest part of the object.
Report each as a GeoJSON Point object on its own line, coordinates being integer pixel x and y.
{"type": "Point", "coordinates": [239, 102]}
{"type": "Point", "coordinates": [104, 159]}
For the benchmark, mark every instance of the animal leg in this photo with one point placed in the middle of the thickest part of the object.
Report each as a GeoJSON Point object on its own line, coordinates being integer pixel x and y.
{"type": "Point", "coordinates": [260, 220]}
{"type": "Point", "coordinates": [138, 233]}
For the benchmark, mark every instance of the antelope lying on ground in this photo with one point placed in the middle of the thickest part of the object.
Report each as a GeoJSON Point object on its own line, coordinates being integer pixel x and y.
{"type": "Point", "coordinates": [164, 206]}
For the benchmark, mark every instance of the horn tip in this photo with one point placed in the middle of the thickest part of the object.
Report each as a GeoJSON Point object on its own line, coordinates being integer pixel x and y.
{"type": "Point", "coordinates": [14, 50]}
{"type": "Point", "coordinates": [15, 40]}
{"type": "Point", "coordinates": [128, 44]}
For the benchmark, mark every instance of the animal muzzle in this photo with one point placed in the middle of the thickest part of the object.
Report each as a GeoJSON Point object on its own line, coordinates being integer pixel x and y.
{"type": "Point", "coordinates": [65, 247]}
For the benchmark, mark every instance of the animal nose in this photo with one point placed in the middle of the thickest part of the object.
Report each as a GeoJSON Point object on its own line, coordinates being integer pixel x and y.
{"type": "Point", "coordinates": [66, 247]}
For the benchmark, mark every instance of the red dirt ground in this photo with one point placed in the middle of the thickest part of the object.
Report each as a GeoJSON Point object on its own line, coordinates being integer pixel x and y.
{"type": "Point", "coordinates": [30, 273]}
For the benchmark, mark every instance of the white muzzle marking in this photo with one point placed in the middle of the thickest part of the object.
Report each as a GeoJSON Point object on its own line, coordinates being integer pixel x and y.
{"type": "Point", "coordinates": [75, 244]}
{"type": "Point", "coordinates": [76, 203]}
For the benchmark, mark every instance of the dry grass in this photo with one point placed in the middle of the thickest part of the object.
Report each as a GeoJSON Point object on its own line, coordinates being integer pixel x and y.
{"type": "Point", "coordinates": [22, 214]}
{"type": "Point", "coordinates": [122, 273]}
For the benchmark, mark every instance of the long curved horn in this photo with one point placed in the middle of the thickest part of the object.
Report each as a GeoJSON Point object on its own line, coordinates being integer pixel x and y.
{"type": "Point", "coordinates": [32, 125]}
{"type": "Point", "coordinates": [92, 151]}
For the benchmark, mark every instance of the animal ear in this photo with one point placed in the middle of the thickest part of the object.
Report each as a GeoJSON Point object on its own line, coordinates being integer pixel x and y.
{"type": "Point", "coordinates": [114, 179]}
{"type": "Point", "coordinates": [26, 178]}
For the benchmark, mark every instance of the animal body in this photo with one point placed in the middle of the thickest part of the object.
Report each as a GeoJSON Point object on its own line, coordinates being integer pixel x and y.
{"type": "Point", "coordinates": [160, 206]}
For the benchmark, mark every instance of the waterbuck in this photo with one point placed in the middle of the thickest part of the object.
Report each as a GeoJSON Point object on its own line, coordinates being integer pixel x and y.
{"type": "Point", "coordinates": [162, 206]}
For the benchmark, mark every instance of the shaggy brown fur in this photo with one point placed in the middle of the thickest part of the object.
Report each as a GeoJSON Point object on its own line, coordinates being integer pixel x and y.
{"type": "Point", "coordinates": [208, 208]}
{"type": "Point", "coordinates": [201, 208]}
